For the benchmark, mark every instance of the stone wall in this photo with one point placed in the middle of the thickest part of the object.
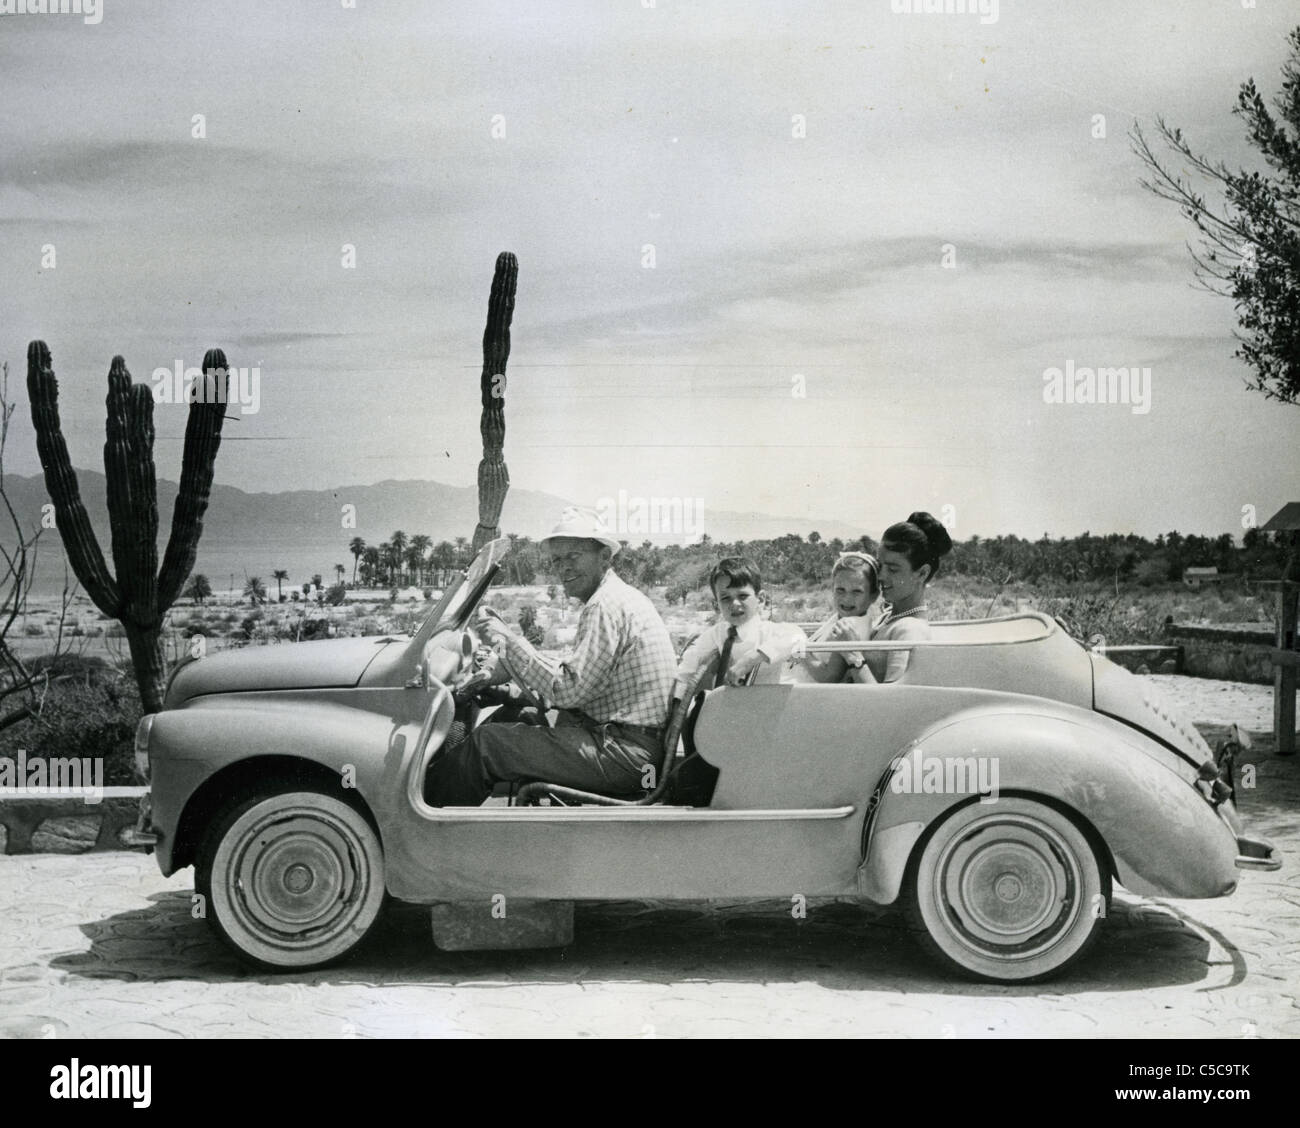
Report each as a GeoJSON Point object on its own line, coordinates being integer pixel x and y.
{"type": "Point", "coordinates": [1228, 653]}
{"type": "Point", "coordinates": [35, 823]}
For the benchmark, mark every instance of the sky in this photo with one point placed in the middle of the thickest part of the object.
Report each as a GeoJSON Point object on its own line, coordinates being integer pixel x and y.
{"type": "Point", "coordinates": [731, 220]}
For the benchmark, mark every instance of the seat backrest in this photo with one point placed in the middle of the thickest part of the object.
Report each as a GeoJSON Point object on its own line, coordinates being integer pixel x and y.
{"type": "Point", "coordinates": [1024, 654]}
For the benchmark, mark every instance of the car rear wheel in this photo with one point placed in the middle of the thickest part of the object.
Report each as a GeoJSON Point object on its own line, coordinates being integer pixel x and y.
{"type": "Point", "coordinates": [1009, 892]}
{"type": "Point", "coordinates": [293, 880]}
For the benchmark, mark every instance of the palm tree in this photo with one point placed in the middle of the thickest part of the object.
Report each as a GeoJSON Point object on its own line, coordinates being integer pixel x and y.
{"type": "Point", "coordinates": [255, 590]}
{"type": "Point", "coordinates": [340, 570]}
{"type": "Point", "coordinates": [443, 559]}
{"type": "Point", "coordinates": [513, 538]}
{"type": "Point", "coordinates": [199, 589]}
{"type": "Point", "coordinates": [372, 557]}
{"type": "Point", "coordinates": [279, 575]}
{"type": "Point", "coordinates": [398, 541]}
{"type": "Point", "coordinates": [415, 555]}
{"type": "Point", "coordinates": [461, 543]}
{"type": "Point", "coordinates": [357, 546]}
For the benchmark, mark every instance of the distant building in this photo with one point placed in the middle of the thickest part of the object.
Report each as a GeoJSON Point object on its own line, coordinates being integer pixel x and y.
{"type": "Point", "coordinates": [1195, 577]}
{"type": "Point", "coordinates": [1286, 519]}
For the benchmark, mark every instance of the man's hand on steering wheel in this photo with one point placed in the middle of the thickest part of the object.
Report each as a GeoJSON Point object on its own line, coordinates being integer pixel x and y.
{"type": "Point", "coordinates": [486, 670]}
{"type": "Point", "coordinates": [492, 628]}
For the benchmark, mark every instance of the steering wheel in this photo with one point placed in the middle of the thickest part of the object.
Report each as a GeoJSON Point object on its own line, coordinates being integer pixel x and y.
{"type": "Point", "coordinates": [529, 696]}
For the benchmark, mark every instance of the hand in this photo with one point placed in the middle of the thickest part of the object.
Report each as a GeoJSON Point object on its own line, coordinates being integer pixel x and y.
{"type": "Point", "coordinates": [489, 666]}
{"type": "Point", "coordinates": [486, 671]}
{"type": "Point", "coordinates": [843, 631]}
{"type": "Point", "coordinates": [742, 667]}
{"type": "Point", "coordinates": [491, 626]}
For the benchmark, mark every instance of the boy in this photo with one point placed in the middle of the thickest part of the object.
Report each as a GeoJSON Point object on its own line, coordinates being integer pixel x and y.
{"type": "Point", "coordinates": [754, 642]}
{"type": "Point", "coordinates": [740, 641]}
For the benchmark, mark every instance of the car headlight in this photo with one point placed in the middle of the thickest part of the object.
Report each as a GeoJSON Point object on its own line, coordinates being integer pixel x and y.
{"type": "Point", "coordinates": [142, 731]}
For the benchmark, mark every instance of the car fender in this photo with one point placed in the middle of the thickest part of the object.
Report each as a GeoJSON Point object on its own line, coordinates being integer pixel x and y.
{"type": "Point", "coordinates": [214, 734]}
{"type": "Point", "coordinates": [1162, 837]}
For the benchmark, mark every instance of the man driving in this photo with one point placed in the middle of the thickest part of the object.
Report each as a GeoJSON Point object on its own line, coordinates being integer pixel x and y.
{"type": "Point", "coordinates": [612, 688]}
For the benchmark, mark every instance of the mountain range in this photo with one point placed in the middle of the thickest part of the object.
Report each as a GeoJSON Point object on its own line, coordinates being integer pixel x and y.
{"type": "Point", "coordinates": [304, 531]}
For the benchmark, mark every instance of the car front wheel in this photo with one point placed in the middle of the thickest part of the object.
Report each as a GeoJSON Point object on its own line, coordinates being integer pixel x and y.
{"type": "Point", "coordinates": [293, 880]}
{"type": "Point", "coordinates": [1009, 891]}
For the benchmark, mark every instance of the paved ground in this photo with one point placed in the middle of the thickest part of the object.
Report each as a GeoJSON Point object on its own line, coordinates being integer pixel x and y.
{"type": "Point", "coordinates": [101, 945]}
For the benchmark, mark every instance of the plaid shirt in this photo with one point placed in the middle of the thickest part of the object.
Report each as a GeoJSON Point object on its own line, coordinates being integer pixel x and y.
{"type": "Point", "coordinates": [621, 666]}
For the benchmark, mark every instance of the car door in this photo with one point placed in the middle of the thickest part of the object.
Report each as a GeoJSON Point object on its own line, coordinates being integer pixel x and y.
{"type": "Point", "coordinates": [772, 847]}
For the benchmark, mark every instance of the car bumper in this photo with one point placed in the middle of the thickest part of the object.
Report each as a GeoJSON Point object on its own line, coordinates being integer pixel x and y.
{"type": "Point", "coordinates": [142, 836]}
{"type": "Point", "coordinates": [1254, 852]}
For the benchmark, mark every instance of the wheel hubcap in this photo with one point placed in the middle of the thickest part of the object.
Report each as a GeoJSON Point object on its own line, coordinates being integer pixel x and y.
{"type": "Point", "coordinates": [1008, 885]}
{"type": "Point", "coordinates": [297, 876]}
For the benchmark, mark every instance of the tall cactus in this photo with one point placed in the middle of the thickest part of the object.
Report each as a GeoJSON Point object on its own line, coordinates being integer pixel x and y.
{"type": "Point", "coordinates": [140, 594]}
{"type": "Point", "coordinates": [493, 477]}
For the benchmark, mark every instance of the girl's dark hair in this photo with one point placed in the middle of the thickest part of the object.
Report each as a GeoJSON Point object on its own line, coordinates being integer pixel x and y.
{"type": "Point", "coordinates": [921, 538]}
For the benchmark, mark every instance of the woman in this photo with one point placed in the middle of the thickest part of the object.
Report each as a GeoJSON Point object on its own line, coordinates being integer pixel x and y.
{"type": "Point", "coordinates": [909, 559]}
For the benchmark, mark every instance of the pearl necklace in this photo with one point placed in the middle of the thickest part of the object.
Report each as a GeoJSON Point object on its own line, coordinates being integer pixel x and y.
{"type": "Point", "coordinates": [891, 616]}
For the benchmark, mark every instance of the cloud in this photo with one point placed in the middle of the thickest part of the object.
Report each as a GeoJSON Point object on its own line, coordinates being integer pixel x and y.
{"type": "Point", "coordinates": [270, 340]}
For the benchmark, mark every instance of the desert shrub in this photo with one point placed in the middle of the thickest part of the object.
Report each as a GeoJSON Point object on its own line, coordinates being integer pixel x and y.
{"type": "Point", "coordinates": [115, 630]}
{"type": "Point", "coordinates": [1112, 618]}
{"type": "Point", "coordinates": [407, 621]}
{"type": "Point", "coordinates": [528, 625]}
{"type": "Point", "coordinates": [33, 630]}
{"type": "Point", "coordinates": [89, 669]}
{"type": "Point", "coordinates": [79, 720]}
{"type": "Point", "coordinates": [428, 595]}
{"type": "Point", "coordinates": [336, 595]}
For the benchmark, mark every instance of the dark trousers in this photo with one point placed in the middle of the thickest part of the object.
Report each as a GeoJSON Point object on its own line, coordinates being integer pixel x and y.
{"type": "Point", "coordinates": [609, 759]}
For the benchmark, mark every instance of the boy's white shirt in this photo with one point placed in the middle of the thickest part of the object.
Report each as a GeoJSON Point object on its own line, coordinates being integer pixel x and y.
{"type": "Point", "coordinates": [774, 642]}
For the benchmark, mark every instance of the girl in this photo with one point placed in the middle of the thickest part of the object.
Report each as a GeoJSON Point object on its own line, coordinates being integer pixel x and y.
{"type": "Point", "coordinates": [909, 559]}
{"type": "Point", "coordinates": [855, 584]}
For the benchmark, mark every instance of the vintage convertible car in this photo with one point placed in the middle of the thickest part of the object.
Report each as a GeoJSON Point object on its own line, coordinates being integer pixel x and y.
{"type": "Point", "coordinates": [997, 791]}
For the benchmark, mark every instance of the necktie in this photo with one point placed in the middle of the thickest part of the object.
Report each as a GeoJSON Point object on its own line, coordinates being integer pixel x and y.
{"type": "Point", "coordinates": [724, 659]}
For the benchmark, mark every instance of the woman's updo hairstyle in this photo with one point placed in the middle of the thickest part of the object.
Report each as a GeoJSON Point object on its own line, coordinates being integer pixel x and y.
{"type": "Point", "coordinates": [921, 538]}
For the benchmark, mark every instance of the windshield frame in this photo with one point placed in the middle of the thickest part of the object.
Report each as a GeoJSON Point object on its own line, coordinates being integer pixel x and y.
{"type": "Point", "coordinates": [447, 614]}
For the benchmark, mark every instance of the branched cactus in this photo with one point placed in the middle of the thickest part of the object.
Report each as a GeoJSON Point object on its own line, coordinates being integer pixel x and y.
{"type": "Point", "coordinates": [139, 595]}
{"type": "Point", "coordinates": [493, 478]}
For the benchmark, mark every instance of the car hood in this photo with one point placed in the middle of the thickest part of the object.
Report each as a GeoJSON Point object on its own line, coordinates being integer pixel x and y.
{"type": "Point", "coordinates": [1135, 701]}
{"type": "Point", "coordinates": [325, 664]}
